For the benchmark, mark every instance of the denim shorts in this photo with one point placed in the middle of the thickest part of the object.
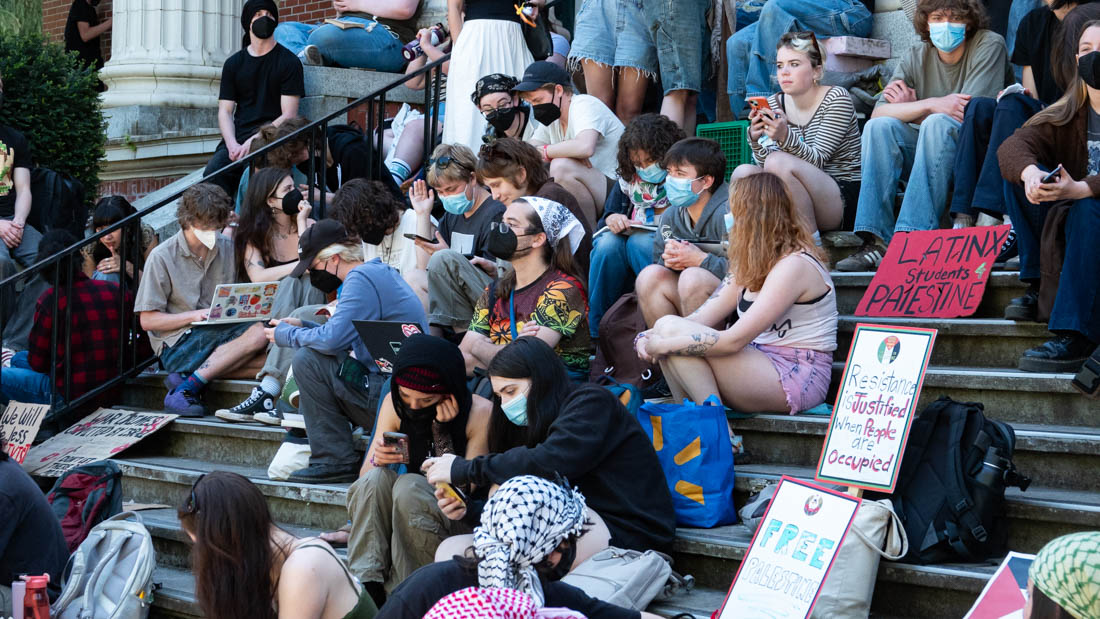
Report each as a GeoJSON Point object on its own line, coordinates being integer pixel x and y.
{"type": "Point", "coordinates": [614, 33]}
{"type": "Point", "coordinates": [191, 350]}
{"type": "Point", "coordinates": [679, 29]}
{"type": "Point", "coordinates": [804, 374]}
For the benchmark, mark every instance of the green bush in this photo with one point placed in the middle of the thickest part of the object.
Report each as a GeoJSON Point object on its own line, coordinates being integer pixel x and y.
{"type": "Point", "coordinates": [53, 100]}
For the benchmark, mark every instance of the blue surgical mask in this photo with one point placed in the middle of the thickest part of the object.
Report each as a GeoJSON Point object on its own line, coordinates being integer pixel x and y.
{"type": "Point", "coordinates": [728, 218]}
{"type": "Point", "coordinates": [456, 204]}
{"type": "Point", "coordinates": [679, 191]}
{"type": "Point", "coordinates": [947, 36]}
{"type": "Point", "coordinates": [516, 409]}
{"type": "Point", "coordinates": [652, 173]}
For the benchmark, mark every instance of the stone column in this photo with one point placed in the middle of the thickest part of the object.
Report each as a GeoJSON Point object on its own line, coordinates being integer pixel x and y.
{"type": "Point", "coordinates": [169, 53]}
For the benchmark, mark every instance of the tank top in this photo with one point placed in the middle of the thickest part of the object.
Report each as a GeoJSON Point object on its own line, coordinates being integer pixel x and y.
{"type": "Point", "coordinates": [807, 324]}
{"type": "Point", "coordinates": [365, 607]}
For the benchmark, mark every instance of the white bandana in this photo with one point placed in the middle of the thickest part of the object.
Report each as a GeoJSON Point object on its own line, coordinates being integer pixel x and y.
{"type": "Point", "coordinates": [557, 221]}
{"type": "Point", "coordinates": [522, 523]}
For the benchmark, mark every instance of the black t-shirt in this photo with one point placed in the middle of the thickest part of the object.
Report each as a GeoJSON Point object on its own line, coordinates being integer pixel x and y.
{"type": "Point", "coordinates": [14, 144]}
{"type": "Point", "coordinates": [1034, 41]}
{"type": "Point", "coordinates": [88, 51]}
{"type": "Point", "coordinates": [31, 541]}
{"type": "Point", "coordinates": [256, 83]}
{"type": "Point", "coordinates": [475, 226]}
{"type": "Point", "coordinates": [431, 583]}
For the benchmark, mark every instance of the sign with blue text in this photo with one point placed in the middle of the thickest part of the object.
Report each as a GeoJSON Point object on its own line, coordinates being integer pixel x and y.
{"type": "Point", "coordinates": [791, 552]}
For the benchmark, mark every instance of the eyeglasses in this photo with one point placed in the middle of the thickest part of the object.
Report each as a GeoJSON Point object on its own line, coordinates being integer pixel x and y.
{"type": "Point", "coordinates": [192, 506]}
{"type": "Point", "coordinates": [445, 161]}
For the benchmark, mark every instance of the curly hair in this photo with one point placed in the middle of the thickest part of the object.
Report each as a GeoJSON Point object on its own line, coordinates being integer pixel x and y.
{"type": "Point", "coordinates": [205, 205]}
{"type": "Point", "coordinates": [254, 227]}
{"type": "Point", "coordinates": [285, 155]}
{"type": "Point", "coordinates": [653, 134]}
{"type": "Point", "coordinates": [504, 157]}
{"type": "Point", "coordinates": [362, 205]}
{"type": "Point", "coordinates": [766, 229]}
{"type": "Point", "coordinates": [971, 12]}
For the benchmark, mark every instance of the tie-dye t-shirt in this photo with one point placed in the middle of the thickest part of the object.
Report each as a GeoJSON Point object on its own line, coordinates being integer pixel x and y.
{"type": "Point", "coordinates": [1094, 142]}
{"type": "Point", "coordinates": [555, 301]}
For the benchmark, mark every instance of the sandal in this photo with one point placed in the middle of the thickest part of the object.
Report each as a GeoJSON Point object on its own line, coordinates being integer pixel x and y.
{"type": "Point", "coordinates": [337, 538]}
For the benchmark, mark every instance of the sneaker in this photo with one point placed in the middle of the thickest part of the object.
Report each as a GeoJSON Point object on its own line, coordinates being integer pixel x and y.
{"type": "Point", "coordinates": [173, 381]}
{"type": "Point", "coordinates": [1064, 353]}
{"type": "Point", "coordinates": [185, 403]}
{"type": "Point", "coordinates": [866, 259]}
{"type": "Point", "coordinates": [311, 55]}
{"type": "Point", "coordinates": [259, 401]}
{"type": "Point", "coordinates": [275, 416]}
{"type": "Point", "coordinates": [294, 420]}
{"type": "Point", "coordinates": [1009, 249]}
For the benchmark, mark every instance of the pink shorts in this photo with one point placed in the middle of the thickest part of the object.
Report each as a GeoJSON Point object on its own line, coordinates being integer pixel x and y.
{"type": "Point", "coordinates": [804, 374]}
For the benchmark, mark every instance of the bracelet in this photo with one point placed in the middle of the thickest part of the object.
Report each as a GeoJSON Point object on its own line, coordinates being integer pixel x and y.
{"type": "Point", "coordinates": [641, 334]}
{"type": "Point", "coordinates": [545, 155]}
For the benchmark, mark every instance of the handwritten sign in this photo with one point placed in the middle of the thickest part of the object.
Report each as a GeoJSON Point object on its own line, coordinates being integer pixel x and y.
{"type": "Point", "coordinates": [934, 273]}
{"type": "Point", "coordinates": [1005, 595]}
{"type": "Point", "coordinates": [874, 406]}
{"type": "Point", "coordinates": [19, 425]}
{"type": "Point", "coordinates": [791, 552]}
{"type": "Point", "coordinates": [100, 435]}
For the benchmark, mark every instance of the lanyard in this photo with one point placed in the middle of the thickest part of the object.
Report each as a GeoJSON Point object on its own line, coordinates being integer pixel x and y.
{"type": "Point", "coordinates": [512, 315]}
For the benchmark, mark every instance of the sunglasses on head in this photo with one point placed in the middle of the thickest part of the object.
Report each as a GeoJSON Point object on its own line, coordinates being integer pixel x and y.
{"type": "Point", "coordinates": [192, 506]}
{"type": "Point", "coordinates": [444, 162]}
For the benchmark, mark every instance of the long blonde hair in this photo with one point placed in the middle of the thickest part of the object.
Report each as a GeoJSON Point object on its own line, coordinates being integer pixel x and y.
{"type": "Point", "coordinates": [766, 229]}
{"type": "Point", "coordinates": [1065, 109]}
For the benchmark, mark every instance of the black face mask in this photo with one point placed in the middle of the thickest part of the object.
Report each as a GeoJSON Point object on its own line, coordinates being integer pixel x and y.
{"type": "Point", "coordinates": [416, 416]}
{"type": "Point", "coordinates": [565, 563]}
{"type": "Point", "coordinates": [324, 281]}
{"type": "Point", "coordinates": [547, 113]}
{"type": "Point", "coordinates": [372, 236]}
{"type": "Point", "coordinates": [1088, 67]}
{"type": "Point", "coordinates": [291, 201]}
{"type": "Point", "coordinates": [501, 119]}
{"type": "Point", "coordinates": [264, 27]}
{"type": "Point", "coordinates": [503, 244]}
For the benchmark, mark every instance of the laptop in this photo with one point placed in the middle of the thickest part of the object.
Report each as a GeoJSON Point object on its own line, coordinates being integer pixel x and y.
{"type": "Point", "coordinates": [383, 339]}
{"type": "Point", "coordinates": [241, 303]}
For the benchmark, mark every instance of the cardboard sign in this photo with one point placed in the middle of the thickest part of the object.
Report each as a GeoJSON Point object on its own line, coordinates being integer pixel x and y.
{"type": "Point", "coordinates": [874, 406]}
{"type": "Point", "coordinates": [19, 425]}
{"type": "Point", "coordinates": [1005, 595]}
{"type": "Point", "coordinates": [934, 273]}
{"type": "Point", "coordinates": [100, 435]}
{"type": "Point", "coordinates": [791, 552]}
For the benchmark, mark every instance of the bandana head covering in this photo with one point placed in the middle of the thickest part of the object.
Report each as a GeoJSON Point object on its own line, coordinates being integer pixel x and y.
{"type": "Point", "coordinates": [1067, 570]}
{"type": "Point", "coordinates": [494, 82]}
{"type": "Point", "coordinates": [251, 7]}
{"type": "Point", "coordinates": [522, 523]}
{"type": "Point", "coordinates": [557, 221]}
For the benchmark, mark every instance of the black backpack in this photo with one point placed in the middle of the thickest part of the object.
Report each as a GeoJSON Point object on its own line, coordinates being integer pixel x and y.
{"type": "Point", "coordinates": [58, 202]}
{"type": "Point", "coordinates": [84, 497]}
{"type": "Point", "coordinates": [951, 487]}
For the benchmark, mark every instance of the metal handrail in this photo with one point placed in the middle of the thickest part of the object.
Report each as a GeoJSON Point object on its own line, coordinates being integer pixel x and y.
{"type": "Point", "coordinates": [129, 364]}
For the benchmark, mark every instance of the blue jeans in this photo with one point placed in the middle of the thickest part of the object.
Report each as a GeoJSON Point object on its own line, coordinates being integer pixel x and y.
{"type": "Point", "coordinates": [354, 48]}
{"type": "Point", "coordinates": [680, 31]}
{"type": "Point", "coordinates": [1077, 306]}
{"type": "Point", "coordinates": [892, 150]}
{"type": "Point", "coordinates": [614, 33]}
{"type": "Point", "coordinates": [614, 263]}
{"type": "Point", "coordinates": [22, 384]}
{"type": "Point", "coordinates": [750, 52]}
{"type": "Point", "coordinates": [1027, 221]}
{"type": "Point", "coordinates": [986, 125]}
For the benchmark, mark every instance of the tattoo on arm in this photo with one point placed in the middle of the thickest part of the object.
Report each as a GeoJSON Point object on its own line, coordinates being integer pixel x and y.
{"type": "Point", "coordinates": [702, 343]}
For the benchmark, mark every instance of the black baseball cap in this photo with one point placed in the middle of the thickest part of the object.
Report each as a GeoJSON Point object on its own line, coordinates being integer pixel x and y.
{"type": "Point", "coordinates": [541, 73]}
{"type": "Point", "coordinates": [317, 237]}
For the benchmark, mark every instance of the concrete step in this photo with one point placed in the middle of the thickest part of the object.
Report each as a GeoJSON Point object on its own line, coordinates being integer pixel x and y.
{"type": "Point", "coordinates": [1008, 395]}
{"type": "Point", "coordinates": [1002, 287]}
{"type": "Point", "coordinates": [975, 342]}
{"type": "Point", "coordinates": [148, 390]}
{"type": "Point", "coordinates": [1053, 456]}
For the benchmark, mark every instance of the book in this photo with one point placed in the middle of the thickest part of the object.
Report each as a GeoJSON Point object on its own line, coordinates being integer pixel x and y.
{"type": "Point", "coordinates": [634, 227]}
{"type": "Point", "coordinates": [344, 25]}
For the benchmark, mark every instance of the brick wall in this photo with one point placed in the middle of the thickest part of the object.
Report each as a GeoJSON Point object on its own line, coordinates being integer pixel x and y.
{"type": "Point", "coordinates": [305, 10]}
{"type": "Point", "coordinates": [56, 12]}
{"type": "Point", "coordinates": [136, 188]}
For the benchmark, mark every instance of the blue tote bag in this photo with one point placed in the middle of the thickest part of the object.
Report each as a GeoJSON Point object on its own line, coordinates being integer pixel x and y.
{"type": "Point", "coordinates": [693, 445]}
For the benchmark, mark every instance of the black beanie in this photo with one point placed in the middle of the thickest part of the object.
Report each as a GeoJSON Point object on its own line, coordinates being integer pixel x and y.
{"type": "Point", "coordinates": [251, 7]}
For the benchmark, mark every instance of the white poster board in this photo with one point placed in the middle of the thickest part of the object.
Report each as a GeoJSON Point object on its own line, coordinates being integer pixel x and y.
{"type": "Point", "coordinates": [19, 425]}
{"type": "Point", "coordinates": [791, 552]}
{"type": "Point", "coordinates": [100, 435]}
{"type": "Point", "coordinates": [874, 406]}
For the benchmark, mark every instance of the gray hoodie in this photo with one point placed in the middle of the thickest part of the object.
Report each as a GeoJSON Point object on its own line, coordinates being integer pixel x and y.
{"type": "Point", "coordinates": [676, 223]}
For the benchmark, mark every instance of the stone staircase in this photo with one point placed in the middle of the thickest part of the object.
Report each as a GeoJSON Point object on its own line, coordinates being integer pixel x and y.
{"type": "Point", "coordinates": [973, 360]}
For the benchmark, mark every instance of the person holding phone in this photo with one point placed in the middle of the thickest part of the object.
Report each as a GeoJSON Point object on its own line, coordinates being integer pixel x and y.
{"type": "Point", "coordinates": [807, 135]}
{"type": "Point", "coordinates": [1065, 134]}
{"type": "Point", "coordinates": [396, 524]}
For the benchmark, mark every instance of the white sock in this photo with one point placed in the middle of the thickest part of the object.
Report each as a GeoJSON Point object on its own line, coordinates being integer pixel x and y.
{"type": "Point", "coordinates": [399, 170]}
{"type": "Point", "coordinates": [270, 385]}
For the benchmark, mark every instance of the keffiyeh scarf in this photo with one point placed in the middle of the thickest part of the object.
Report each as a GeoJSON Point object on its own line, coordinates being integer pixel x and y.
{"type": "Point", "coordinates": [522, 523]}
{"type": "Point", "coordinates": [1067, 570]}
{"type": "Point", "coordinates": [557, 221]}
{"type": "Point", "coordinates": [477, 603]}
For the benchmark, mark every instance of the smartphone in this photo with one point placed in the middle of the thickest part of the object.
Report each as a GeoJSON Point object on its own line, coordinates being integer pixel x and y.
{"type": "Point", "coordinates": [451, 491]}
{"type": "Point", "coordinates": [1053, 175]}
{"type": "Point", "coordinates": [413, 237]}
{"type": "Point", "coordinates": [399, 441]}
{"type": "Point", "coordinates": [758, 103]}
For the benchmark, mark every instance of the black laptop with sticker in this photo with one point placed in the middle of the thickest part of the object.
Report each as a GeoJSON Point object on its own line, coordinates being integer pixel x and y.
{"type": "Point", "coordinates": [383, 339]}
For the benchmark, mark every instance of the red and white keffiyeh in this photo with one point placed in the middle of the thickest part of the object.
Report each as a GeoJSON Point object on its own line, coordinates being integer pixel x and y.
{"type": "Point", "coordinates": [478, 603]}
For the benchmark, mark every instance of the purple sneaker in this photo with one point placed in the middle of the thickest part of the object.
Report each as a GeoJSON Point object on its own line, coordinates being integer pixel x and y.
{"type": "Point", "coordinates": [184, 403]}
{"type": "Point", "coordinates": [173, 381]}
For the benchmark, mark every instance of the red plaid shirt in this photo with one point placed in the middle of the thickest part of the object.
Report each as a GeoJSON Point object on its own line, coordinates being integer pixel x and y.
{"type": "Point", "coordinates": [93, 338]}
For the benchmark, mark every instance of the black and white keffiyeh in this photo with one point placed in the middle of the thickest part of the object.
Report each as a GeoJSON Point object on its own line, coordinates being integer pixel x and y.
{"type": "Point", "coordinates": [523, 522]}
{"type": "Point", "coordinates": [557, 221]}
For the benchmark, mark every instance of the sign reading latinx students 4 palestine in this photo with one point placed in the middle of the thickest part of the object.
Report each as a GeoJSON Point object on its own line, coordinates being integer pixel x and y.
{"type": "Point", "coordinates": [934, 273]}
{"type": "Point", "coordinates": [874, 406]}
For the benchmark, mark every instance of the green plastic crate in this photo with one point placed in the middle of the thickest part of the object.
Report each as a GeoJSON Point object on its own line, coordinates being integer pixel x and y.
{"type": "Point", "coordinates": [733, 137]}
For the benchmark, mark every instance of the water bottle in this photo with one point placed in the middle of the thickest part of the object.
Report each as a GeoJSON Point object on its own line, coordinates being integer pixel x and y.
{"type": "Point", "coordinates": [993, 472]}
{"type": "Point", "coordinates": [412, 49]}
{"type": "Point", "coordinates": [36, 603]}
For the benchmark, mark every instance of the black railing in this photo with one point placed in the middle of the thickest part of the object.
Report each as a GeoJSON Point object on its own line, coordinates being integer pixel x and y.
{"type": "Point", "coordinates": [130, 329]}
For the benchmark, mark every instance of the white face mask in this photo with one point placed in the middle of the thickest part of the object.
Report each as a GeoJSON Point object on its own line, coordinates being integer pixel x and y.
{"type": "Point", "coordinates": [206, 237]}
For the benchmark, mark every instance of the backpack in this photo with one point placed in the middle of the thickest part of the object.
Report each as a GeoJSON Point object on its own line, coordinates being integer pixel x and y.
{"type": "Point", "coordinates": [615, 356]}
{"type": "Point", "coordinates": [111, 575]}
{"type": "Point", "coordinates": [628, 578]}
{"type": "Point", "coordinates": [629, 395]}
{"type": "Point", "coordinates": [84, 497]}
{"type": "Point", "coordinates": [58, 202]}
{"type": "Point", "coordinates": [951, 486]}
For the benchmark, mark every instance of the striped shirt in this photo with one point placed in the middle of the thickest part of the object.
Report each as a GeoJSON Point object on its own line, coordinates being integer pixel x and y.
{"type": "Point", "coordinates": [830, 140]}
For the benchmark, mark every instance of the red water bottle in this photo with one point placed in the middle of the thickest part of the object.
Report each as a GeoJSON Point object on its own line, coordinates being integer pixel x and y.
{"type": "Point", "coordinates": [36, 602]}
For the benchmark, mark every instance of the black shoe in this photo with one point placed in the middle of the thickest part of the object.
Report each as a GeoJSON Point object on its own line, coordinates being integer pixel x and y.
{"type": "Point", "coordinates": [325, 474]}
{"type": "Point", "coordinates": [1025, 308]}
{"type": "Point", "coordinates": [1087, 381]}
{"type": "Point", "coordinates": [1009, 249]}
{"type": "Point", "coordinates": [1065, 353]}
{"type": "Point", "coordinates": [657, 390]}
{"type": "Point", "coordinates": [259, 402]}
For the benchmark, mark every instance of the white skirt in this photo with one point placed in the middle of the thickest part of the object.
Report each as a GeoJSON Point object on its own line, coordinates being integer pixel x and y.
{"type": "Point", "coordinates": [484, 46]}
